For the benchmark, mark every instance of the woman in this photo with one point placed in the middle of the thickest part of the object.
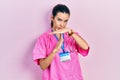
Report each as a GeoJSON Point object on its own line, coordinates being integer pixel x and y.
{"type": "Point", "coordinates": [56, 51]}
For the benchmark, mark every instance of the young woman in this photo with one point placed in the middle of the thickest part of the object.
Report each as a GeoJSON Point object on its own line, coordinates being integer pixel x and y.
{"type": "Point", "coordinates": [56, 51]}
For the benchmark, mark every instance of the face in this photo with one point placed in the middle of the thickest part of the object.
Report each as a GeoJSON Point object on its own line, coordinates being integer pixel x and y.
{"type": "Point", "coordinates": [60, 20]}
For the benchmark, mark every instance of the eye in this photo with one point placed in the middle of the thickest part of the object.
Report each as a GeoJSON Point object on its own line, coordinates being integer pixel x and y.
{"type": "Point", "coordinates": [59, 20]}
{"type": "Point", "coordinates": [66, 21]}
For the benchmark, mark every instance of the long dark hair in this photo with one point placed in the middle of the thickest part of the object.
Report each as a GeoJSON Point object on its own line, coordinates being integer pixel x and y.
{"type": "Point", "coordinates": [59, 8]}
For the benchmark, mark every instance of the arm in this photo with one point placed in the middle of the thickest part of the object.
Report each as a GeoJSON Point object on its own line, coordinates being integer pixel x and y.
{"type": "Point", "coordinates": [80, 41]}
{"type": "Point", "coordinates": [82, 44]}
{"type": "Point", "coordinates": [45, 62]}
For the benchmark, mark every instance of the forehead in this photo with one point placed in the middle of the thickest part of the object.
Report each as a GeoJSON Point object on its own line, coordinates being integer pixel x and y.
{"type": "Point", "coordinates": [63, 16]}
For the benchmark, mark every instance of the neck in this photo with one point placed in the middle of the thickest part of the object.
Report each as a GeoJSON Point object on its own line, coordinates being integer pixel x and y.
{"type": "Point", "coordinates": [58, 35]}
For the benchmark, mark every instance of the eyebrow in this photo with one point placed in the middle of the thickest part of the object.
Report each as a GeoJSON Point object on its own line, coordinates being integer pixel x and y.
{"type": "Point", "coordinates": [61, 19]}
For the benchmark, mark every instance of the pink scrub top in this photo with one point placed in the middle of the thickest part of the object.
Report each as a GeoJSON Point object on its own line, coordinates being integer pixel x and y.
{"type": "Point", "coordinates": [58, 70]}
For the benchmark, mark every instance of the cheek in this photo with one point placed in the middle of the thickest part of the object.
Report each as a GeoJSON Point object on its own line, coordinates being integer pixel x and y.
{"type": "Point", "coordinates": [57, 23]}
{"type": "Point", "coordinates": [65, 24]}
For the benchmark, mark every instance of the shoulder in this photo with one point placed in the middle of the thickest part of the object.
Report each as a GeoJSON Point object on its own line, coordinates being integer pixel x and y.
{"type": "Point", "coordinates": [44, 36]}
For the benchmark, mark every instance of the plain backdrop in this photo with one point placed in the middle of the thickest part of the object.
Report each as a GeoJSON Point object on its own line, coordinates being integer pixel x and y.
{"type": "Point", "coordinates": [22, 21]}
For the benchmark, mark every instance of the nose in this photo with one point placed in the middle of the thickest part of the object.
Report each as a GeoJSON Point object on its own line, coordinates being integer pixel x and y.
{"type": "Point", "coordinates": [62, 24]}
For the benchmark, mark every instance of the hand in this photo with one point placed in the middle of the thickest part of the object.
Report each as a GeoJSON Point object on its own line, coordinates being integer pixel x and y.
{"type": "Point", "coordinates": [61, 31]}
{"type": "Point", "coordinates": [59, 44]}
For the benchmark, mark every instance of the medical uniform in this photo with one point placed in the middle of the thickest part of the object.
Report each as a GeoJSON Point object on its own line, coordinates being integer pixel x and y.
{"type": "Point", "coordinates": [59, 70]}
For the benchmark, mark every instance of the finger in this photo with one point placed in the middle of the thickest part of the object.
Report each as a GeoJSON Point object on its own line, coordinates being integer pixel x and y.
{"type": "Point", "coordinates": [59, 31]}
{"type": "Point", "coordinates": [56, 32]}
{"type": "Point", "coordinates": [61, 37]}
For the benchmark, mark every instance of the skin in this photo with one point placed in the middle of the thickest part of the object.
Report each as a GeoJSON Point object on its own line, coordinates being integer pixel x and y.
{"type": "Point", "coordinates": [60, 21]}
{"type": "Point", "coordinates": [59, 27]}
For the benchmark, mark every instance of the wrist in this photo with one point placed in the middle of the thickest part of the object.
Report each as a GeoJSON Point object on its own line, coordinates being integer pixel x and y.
{"type": "Point", "coordinates": [55, 50]}
{"type": "Point", "coordinates": [70, 33]}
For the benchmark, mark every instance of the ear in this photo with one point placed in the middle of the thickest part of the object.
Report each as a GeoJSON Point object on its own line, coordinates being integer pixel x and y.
{"type": "Point", "coordinates": [52, 17]}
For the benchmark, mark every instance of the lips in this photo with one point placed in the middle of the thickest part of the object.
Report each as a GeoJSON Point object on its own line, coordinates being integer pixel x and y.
{"type": "Point", "coordinates": [59, 28]}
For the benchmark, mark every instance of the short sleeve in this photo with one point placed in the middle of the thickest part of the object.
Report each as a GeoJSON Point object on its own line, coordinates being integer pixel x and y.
{"type": "Point", "coordinates": [39, 50]}
{"type": "Point", "coordinates": [80, 50]}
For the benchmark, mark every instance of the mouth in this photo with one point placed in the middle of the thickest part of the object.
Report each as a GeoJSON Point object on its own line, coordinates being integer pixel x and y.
{"type": "Point", "coordinates": [60, 28]}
